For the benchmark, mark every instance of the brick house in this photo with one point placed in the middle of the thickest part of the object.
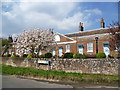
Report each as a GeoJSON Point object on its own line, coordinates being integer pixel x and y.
{"type": "Point", "coordinates": [87, 42]}
{"type": "Point", "coordinates": [84, 42]}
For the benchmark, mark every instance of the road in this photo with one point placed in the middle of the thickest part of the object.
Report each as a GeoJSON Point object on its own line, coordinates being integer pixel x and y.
{"type": "Point", "coordinates": [13, 82]}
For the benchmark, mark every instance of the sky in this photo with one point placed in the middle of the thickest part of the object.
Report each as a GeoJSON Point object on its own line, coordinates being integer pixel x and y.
{"type": "Point", "coordinates": [62, 17]}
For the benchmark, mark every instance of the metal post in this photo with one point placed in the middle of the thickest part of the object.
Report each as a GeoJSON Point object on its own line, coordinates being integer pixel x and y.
{"type": "Point", "coordinates": [96, 38]}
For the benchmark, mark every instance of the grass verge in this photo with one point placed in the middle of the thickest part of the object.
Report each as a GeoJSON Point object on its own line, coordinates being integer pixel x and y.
{"type": "Point", "coordinates": [77, 78]}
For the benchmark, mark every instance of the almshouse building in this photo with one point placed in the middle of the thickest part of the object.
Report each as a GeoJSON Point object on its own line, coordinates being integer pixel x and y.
{"type": "Point", "coordinates": [83, 42]}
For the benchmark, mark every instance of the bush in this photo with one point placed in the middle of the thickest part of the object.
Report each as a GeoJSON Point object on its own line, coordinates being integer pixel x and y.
{"type": "Point", "coordinates": [42, 56]}
{"type": "Point", "coordinates": [8, 55]}
{"type": "Point", "coordinates": [101, 55]}
{"type": "Point", "coordinates": [80, 56]}
{"type": "Point", "coordinates": [68, 55]}
{"type": "Point", "coordinates": [29, 56]}
{"type": "Point", "coordinates": [48, 55]}
{"type": "Point", "coordinates": [24, 55]}
{"type": "Point", "coordinates": [90, 55]}
{"type": "Point", "coordinates": [12, 56]}
{"type": "Point", "coordinates": [17, 56]}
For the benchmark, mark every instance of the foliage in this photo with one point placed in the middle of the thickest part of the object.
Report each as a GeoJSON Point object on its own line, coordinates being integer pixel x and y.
{"type": "Point", "coordinates": [24, 55]}
{"type": "Point", "coordinates": [29, 56]}
{"type": "Point", "coordinates": [32, 41]}
{"type": "Point", "coordinates": [114, 31]}
{"type": "Point", "coordinates": [68, 55]}
{"type": "Point", "coordinates": [4, 42]}
{"type": "Point", "coordinates": [42, 56]}
{"type": "Point", "coordinates": [61, 75]}
{"type": "Point", "coordinates": [17, 56]}
{"type": "Point", "coordinates": [48, 55]}
{"type": "Point", "coordinates": [80, 56]}
{"type": "Point", "coordinates": [8, 55]}
{"type": "Point", "coordinates": [13, 56]}
{"type": "Point", "coordinates": [100, 55]}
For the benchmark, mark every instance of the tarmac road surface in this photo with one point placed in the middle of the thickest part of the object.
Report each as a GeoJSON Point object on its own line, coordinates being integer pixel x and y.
{"type": "Point", "coordinates": [14, 82]}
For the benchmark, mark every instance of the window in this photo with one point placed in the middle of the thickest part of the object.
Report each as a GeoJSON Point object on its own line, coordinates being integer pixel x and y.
{"type": "Point", "coordinates": [67, 48]}
{"type": "Point", "coordinates": [90, 47]}
{"type": "Point", "coordinates": [57, 38]}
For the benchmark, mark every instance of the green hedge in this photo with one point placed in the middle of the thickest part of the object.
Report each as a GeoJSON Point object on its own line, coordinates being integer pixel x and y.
{"type": "Point", "coordinates": [79, 56]}
{"type": "Point", "coordinates": [12, 56]}
{"type": "Point", "coordinates": [48, 55]}
{"type": "Point", "coordinates": [29, 56]}
{"type": "Point", "coordinates": [8, 55]}
{"type": "Point", "coordinates": [68, 55]}
{"type": "Point", "coordinates": [24, 55]}
{"type": "Point", "coordinates": [100, 55]}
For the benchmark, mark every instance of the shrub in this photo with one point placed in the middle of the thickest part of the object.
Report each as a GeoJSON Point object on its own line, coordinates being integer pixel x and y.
{"type": "Point", "coordinates": [8, 55]}
{"type": "Point", "coordinates": [48, 55]}
{"type": "Point", "coordinates": [55, 56]}
{"type": "Point", "coordinates": [68, 55]}
{"type": "Point", "coordinates": [42, 56]}
{"type": "Point", "coordinates": [101, 55]}
{"type": "Point", "coordinates": [90, 55]}
{"type": "Point", "coordinates": [24, 55]}
{"type": "Point", "coordinates": [80, 56]}
{"type": "Point", "coordinates": [29, 56]}
{"type": "Point", "coordinates": [12, 56]}
{"type": "Point", "coordinates": [17, 56]}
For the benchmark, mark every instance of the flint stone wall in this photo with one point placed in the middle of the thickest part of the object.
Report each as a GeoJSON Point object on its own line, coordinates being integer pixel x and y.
{"type": "Point", "coordinates": [96, 66]}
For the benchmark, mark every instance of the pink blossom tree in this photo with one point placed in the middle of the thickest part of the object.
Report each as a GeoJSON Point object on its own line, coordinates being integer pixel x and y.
{"type": "Point", "coordinates": [32, 41]}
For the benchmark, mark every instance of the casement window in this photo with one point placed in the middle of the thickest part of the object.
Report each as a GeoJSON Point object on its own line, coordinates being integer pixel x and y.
{"type": "Point", "coordinates": [89, 47]}
{"type": "Point", "coordinates": [67, 48]}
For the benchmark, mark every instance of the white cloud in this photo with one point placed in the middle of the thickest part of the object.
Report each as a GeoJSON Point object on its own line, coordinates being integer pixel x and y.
{"type": "Point", "coordinates": [94, 11]}
{"type": "Point", "coordinates": [60, 16]}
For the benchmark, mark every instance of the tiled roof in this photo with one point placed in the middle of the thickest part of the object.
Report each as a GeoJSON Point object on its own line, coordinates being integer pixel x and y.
{"type": "Point", "coordinates": [93, 32]}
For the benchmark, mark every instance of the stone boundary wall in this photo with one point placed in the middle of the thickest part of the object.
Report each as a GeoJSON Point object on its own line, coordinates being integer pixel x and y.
{"type": "Point", "coordinates": [96, 66]}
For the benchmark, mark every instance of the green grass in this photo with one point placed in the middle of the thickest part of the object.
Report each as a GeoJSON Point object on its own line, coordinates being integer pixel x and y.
{"type": "Point", "coordinates": [62, 76]}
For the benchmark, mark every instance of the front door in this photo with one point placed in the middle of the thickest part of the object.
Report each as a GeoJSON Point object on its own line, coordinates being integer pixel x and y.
{"type": "Point", "coordinates": [54, 53]}
{"type": "Point", "coordinates": [60, 51]}
{"type": "Point", "coordinates": [106, 49]}
{"type": "Point", "coordinates": [80, 49]}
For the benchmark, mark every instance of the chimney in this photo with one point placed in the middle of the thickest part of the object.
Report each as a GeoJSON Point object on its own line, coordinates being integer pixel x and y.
{"type": "Point", "coordinates": [81, 28]}
{"type": "Point", "coordinates": [10, 39]}
{"type": "Point", "coordinates": [102, 23]}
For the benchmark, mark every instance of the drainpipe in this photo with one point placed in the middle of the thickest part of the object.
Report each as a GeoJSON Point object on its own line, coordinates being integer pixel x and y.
{"type": "Point", "coordinates": [96, 38]}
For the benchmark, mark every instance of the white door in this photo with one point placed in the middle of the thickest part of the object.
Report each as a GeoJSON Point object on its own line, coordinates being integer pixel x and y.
{"type": "Point", "coordinates": [60, 51]}
{"type": "Point", "coordinates": [80, 49]}
{"type": "Point", "coordinates": [53, 52]}
{"type": "Point", "coordinates": [106, 49]}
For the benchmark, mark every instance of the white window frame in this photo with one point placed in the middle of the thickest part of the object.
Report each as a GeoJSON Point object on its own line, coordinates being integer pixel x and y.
{"type": "Point", "coordinates": [67, 47]}
{"type": "Point", "coordinates": [89, 47]}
